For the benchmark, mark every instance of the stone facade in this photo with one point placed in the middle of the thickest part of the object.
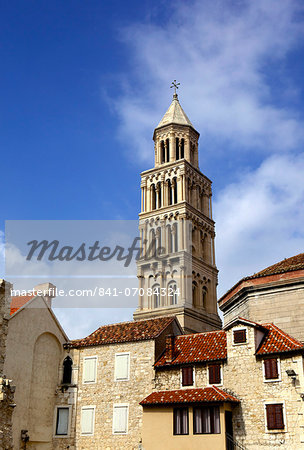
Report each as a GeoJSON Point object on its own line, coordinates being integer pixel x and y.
{"type": "Point", "coordinates": [6, 390]}
{"type": "Point", "coordinates": [277, 298]}
{"type": "Point", "coordinates": [176, 216]}
{"type": "Point", "coordinates": [242, 375]}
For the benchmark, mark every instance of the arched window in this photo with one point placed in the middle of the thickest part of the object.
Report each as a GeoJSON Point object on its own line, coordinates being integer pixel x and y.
{"type": "Point", "coordinates": [152, 243]}
{"type": "Point", "coordinates": [172, 293]}
{"type": "Point", "coordinates": [153, 195]}
{"type": "Point", "coordinates": [162, 151]}
{"type": "Point", "coordinates": [159, 195]}
{"type": "Point", "coordinates": [168, 149]}
{"type": "Point", "coordinates": [182, 149]}
{"type": "Point", "coordinates": [169, 239]}
{"type": "Point", "coordinates": [177, 148]}
{"type": "Point", "coordinates": [204, 296]}
{"type": "Point", "coordinates": [67, 370]}
{"type": "Point", "coordinates": [194, 293]}
{"type": "Point", "coordinates": [156, 295]}
{"type": "Point", "coordinates": [169, 192]}
{"type": "Point", "coordinates": [175, 189]}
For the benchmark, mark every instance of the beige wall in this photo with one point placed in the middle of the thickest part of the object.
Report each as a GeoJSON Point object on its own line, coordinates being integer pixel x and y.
{"type": "Point", "coordinates": [157, 432]}
{"type": "Point", "coordinates": [34, 349]}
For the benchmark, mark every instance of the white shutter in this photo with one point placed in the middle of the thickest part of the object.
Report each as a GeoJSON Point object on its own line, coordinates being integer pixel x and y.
{"type": "Point", "coordinates": [122, 366]}
{"type": "Point", "coordinates": [89, 370]}
{"type": "Point", "coordinates": [87, 420]}
{"type": "Point", "coordinates": [62, 421]}
{"type": "Point", "coordinates": [120, 419]}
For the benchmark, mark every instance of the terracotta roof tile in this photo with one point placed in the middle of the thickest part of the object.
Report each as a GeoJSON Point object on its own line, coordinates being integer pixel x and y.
{"type": "Point", "coordinates": [286, 265]}
{"type": "Point", "coordinates": [198, 347]}
{"type": "Point", "coordinates": [139, 330]}
{"type": "Point", "coordinates": [209, 394]}
{"type": "Point", "coordinates": [276, 341]}
{"type": "Point", "coordinates": [19, 301]}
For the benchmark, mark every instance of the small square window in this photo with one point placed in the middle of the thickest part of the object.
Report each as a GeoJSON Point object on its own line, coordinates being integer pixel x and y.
{"type": "Point", "coordinates": [275, 416]}
{"type": "Point", "coordinates": [187, 376]}
{"type": "Point", "coordinates": [271, 369]}
{"type": "Point", "coordinates": [214, 374]}
{"type": "Point", "coordinates": [239, 336]}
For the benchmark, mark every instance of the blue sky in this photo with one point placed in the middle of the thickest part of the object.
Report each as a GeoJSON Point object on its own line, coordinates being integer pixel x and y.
{"type": "Point", "coordinates": [85, 83]}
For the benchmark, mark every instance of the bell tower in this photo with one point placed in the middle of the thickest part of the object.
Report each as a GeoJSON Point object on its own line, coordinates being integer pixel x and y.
{"type": "Point", "coordinates": [177, 272]}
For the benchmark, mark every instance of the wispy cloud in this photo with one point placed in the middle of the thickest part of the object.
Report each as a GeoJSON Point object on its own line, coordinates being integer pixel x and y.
{"type": "Point", "coordinates": [260, 218]}
{"type": "Point", "coordinates": [228, 56]}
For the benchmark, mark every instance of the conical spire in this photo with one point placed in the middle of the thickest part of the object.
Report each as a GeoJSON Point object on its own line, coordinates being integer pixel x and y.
{"type": "Point", "coordinates": [175, 114]}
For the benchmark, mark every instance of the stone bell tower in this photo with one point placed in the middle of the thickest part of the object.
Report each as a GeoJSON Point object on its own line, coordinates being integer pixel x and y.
{"type": "Point", "coordinates": [176, 220]}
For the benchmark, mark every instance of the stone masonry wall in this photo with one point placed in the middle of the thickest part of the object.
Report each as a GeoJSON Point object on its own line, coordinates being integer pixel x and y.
{"type": "Point", "coordinates": [6, 391]}
{"type": "Point", "coordinates": [106, 392]}
{"type": "Point", "coordinates": [243, 377]}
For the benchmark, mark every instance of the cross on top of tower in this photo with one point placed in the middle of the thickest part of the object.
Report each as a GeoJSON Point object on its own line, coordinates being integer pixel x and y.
{"type": "Point", "coordinates": [174, 85]}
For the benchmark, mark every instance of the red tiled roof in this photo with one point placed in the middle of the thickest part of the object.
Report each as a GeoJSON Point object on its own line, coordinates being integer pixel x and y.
{"type": "Point", "coordinates": [198, 347]}
{"type": "Point", "coordinates": [286, 265]}
{"type": "Point", "coordinates": [276, 272]}
{"type": "Point", "coordinates": [276, 341]}
{"type": "Point", "coordinates": [19, 301]}
{"type": "Point", "coordinates": [209, 394]}
{"type": "Point", "coordinates": [138, 330]}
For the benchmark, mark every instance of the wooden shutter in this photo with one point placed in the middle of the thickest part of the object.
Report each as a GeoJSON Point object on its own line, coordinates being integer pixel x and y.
{"type": "Point", "coordinates": [275, 419]}
{"type": "Point", "coordinates": [122, 366]}
{"type": "Point", "coordinates": [89, 370]}
{"type": "Point", "coordinates": [271, 369]}
{"type": "Point", "coordinates": [215, 374]}
{"type": "Point", "coordinates": [187, 376]}
{"type": "Point", "coordinates": [239, 336]}
{"type": "Point", "coordinates": [87, 420]}
{"type": "Point", "coordinates": [120, 418]}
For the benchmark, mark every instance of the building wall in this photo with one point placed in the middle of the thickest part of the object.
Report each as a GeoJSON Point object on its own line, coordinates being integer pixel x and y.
{"type": "Point", "coordinates": [106, 392]}
{"type": "Point", "coordinates": [280, 302]}
{"type": "Point", "coordinates": [158, 432]}
{"type": "Point", "coordinates": [6, 391]}
{"type": "Point", "coordinates": [34, 349]}
{"type": "Point", "coordinates": [243, 378]}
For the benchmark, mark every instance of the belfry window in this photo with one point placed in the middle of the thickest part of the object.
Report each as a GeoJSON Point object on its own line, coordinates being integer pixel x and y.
{"type": "Point", "coordinates": [177, 148]}
{"type": "Point", "coordinates": [169, 192]}
{"type": "Point", "coordinates": [153, 195]}
{"type": "Point", "coordinates": [182, 149]}
{"type": "Point", "coordinates": [194, 294]}
{"type": "Point", "coordinates": [156, 295]}
{"type": "Point", "coordinates": [168, 149]}
{"type": "Point", "coordinates": [67, 370]}
{"type": "Point", "coordinates": [175, 190]}
{"type": "Point", "coordinates": [162, 151]}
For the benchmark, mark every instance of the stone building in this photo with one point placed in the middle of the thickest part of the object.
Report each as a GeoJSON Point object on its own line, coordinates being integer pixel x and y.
{"type": "Point", "coordinates": [112, 372]}
{"type": "Point", "coordinates": [6, 389]}
{"type": "Point", "coordinates": [176, 216]}
{"type": "Point", "coordinates": [242, 387]}
{"type": "Point", "coordinates": [275, 294]}
{"type": "Point", "coordinates": [34, 352]}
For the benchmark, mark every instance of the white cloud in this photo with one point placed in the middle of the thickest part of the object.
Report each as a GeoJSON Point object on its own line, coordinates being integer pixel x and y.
{"type": "Point", "coordinates": [222, 53]}
{"type": "Point", "coordinates": [260, 219]}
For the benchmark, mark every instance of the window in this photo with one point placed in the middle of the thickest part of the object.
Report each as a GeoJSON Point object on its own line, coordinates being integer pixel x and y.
{"type": "Point", "coordinates": [122, 364]}
{"type": "Point", "coordinates": [120, 419]}
{"type": "Point", "coordinates": [156, 295]}
{"type": "Point", "coordinates": [206, 420]}
{"type": "Point", "coordinates": [239, 336]}
{"type": "Point", "coordinates": [180, 421]}
{"type": "Point", "coordinates": [215, 374]}
{"type": "Point", "coordinates": [87, 420]}
{"type": "Point", "coordinates": [275, 416]}
{"type": "Point", "coordinates": [187, 376]}
{"type": "Point", "coordinates": [271, 369]}
{"type": "Point", "coordinates": [62, 421]}
{"type": "Point", "coordinates": [67, 371]}
{"type": "Point", "coordinates": [89, 369]}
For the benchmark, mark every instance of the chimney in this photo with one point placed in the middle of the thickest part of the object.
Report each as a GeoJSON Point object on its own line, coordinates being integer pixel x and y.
{"type": "Point", "coordinates": [169, 354]}
{"type": "Point", "coordinates": [47, 291]}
